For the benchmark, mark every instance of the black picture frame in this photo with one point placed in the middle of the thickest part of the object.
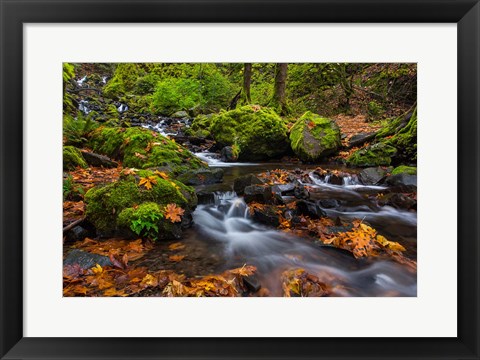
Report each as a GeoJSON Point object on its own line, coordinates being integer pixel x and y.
{"type": "Point", "coordinates": [14, 13]}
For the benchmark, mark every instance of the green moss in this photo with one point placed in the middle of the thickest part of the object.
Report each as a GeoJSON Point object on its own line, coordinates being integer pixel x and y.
{"type": "Point", "coordinates": [373, 155]}
{"type": "Point", "coordinates": [405, 140]}
{"type": "Point", "coordinates": [314, 137]}
{"type": "Point", "coordinates": [145, 220]}
{"type": "Point", "coordinates": [103, 204]}
{"type": "Point", "coordinates": [142, 148]}
{"type": "Point", "coordinates": [200, 126]}
{"type": "Point", "coordinates": [72, 157]}
{"type": "Point", "coordinates": [123, 80]}
{"type": "Point", "coordinates": [410, 170]}
{"type": "Point", "coordinates": [259, 132]}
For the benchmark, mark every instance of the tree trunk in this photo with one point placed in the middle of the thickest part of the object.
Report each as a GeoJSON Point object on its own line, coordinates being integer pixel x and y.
{"type": "Point", "coordinates": [247, 80]}
{"type": "Point", "coordinates": [279, 98]}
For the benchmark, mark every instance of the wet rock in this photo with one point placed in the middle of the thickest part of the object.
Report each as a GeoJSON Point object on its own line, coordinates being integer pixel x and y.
{"type": "Point", "coordinates": [228, 155]}
{"type": "Point", "coordinates": [242, 182]}
{"type": "Point", "coordinates": [77, 233]}
{"type": "Point", "coordinates": [267, 216]}
{"type": "Point", "coordinates": [335, 179]}
{"type": "Point", "coordinates": [360, 139]}
{"type": "Point", "coordinates": [258, 193]}
{"type": "Point", "coordinates": [300, 192]}
{"type": "Point", "coordinates": [252, 283]}
{"type": "Point", "coordinates": [206, 193]}
{"type": "Point", "coordinates": [93, 159]}
{"type": "Point", "coordinates": [371, 175]}
{"type": "Point", "coordinates": [399, 201]}
{"type": "Point", "coordinates": [284, 189]}
{"type": "Point", "coordinates": [328, 203]}
{"type": "Point", "coordinates": [402, 180]}
{"type": "Point", "coordinates": [85, 259]}
{"type": "Point", "coordinates": [201, 177]}
{"type": "Point", "coordinates": [310, 208]}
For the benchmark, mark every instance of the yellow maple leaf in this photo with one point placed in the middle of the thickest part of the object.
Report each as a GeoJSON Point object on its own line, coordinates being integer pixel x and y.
{"type": "Point", "coordinates": [161, 174]}
{"type": "Point", "coordinates": [174, 213]}
{"type": "Point", "coordinates": [392, 245]}
{"type": "Point", "coordinates": [148, 181]}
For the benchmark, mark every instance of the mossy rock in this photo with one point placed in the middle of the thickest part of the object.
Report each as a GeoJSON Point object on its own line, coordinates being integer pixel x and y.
{"type": "Point", "coordinates": [313, 137]}
{"type": "Point", "coordinates": [259, 132]}
{"type": "Point", "coordinates": [373, 155]}
{"type": "Point", "coordinates": [200, 126]}
{"type": "Point", "coordinates": [105, 203]}
{"type": "Point", "coordinates": [403, 169]}
{"type": "Point", "coordinates": [72, 158]}
{"type": "Point", "coordinates": [405, 140]}
{"type": "Point", "coordinates": [141, 148]}
{"type": "Point", "coordinates": [148, 220]}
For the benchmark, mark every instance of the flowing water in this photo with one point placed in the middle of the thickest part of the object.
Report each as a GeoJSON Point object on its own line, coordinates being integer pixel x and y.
{"type": "Point", "coordinates": [224, 237]}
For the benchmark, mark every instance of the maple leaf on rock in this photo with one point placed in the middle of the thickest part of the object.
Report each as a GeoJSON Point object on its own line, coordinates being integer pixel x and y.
{"type": "Point", "coordinates": [174, 213]}
{"type": "Point", "coordinates": [161, 174]}
{"type": "Point", "coordinates": [148, 181]}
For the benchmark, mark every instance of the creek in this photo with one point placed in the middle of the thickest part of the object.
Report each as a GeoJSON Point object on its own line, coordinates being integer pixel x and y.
{"type": "Point", "coordinates": [224, 237]}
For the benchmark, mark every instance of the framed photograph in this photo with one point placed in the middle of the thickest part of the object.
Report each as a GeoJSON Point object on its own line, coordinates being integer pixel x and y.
{"type": "Point", "coordinates": [239, 179]}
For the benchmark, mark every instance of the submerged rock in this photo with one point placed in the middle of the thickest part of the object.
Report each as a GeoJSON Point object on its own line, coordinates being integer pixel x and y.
{"type": "Point", "coordinates": [314, 137]}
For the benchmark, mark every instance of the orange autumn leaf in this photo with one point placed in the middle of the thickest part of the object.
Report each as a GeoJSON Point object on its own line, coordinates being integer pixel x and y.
{"type": "Point", "coordinates": [148, 181]}
{"type": "Point", "coordinates": [176, 258]}
{"type": "Point", "coordinates": [174, 213]}
{"type": "Point", "coordinates": [140, 156]}
{"type": "Point", "coordinates": [176, 246]}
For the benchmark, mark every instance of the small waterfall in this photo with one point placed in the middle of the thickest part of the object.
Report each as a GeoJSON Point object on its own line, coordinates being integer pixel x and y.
{"type": "Point", "coordinates": [83, 106]}
{"type": "Point", "coordinates": [213, 160]}
{"type": "Point", "coordinates": [104, 79]}
{"type": "Point", "coordinates": [122, 108]}
{"type": "Point", "coordinates": [82, 80]}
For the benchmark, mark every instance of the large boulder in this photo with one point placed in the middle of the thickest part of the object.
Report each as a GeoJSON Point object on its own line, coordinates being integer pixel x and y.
{"type": "Point", "coordinates": [117, 208]}
{"type": "Point", "coordinates": [373, 155]}
{"type": "Point", "coordinates": [141, 148]}
{"type": "Point", "coordinates": [314, 137]}
{"type": "Point", "coordinates": [259, 133]}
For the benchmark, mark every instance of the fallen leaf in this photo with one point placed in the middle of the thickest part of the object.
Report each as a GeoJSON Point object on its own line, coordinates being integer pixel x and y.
{"type": "Point", "coordinates": [148, 181]}
{"type": "Point", "coordinates": [174, 213]}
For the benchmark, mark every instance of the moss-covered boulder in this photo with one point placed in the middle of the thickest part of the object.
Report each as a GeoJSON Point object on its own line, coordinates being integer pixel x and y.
{"type": "Point", "coordinates": [72, 158]}
{"type": "Point", "coordinates": [105, 203]}
{"type": "Point", "coordinates": [200, 126]}
{"type": "Point", "coordinates": [403, 169]}
{"type": "Point", "coordinates": [259, 133]}
{"type": "Point", "coordinates": [141, 148]}
{"type": "Point", "coordinates": [313, 137]}
{"type": "Point", "coordinates": [373, 155]}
